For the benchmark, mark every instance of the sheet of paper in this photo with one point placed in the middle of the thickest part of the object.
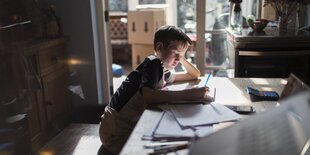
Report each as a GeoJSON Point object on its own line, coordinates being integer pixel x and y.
{"type": "Point", "coordinates": [188, 115]}
{"type": "Point", "coordinates": [148, 135]}
{"type": "Point", "coordinates": [170, 128]}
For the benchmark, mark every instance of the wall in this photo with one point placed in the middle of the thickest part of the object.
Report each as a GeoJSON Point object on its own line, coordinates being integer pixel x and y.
{"type": "Point", "coordinates": [308, 14]}
{"type": "Point", "coordinates": [77, 24]}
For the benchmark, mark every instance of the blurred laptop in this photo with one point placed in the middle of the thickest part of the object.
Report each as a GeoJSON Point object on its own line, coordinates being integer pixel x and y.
{"type": "Point", "coordinates": [281, 130]}
{"type": "Point", "coordinates": [293, 86]}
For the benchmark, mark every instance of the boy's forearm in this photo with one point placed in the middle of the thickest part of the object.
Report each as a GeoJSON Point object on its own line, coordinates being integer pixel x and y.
{"type": "Point", "coordinates": [190, 68]}
{"type": "Point", "coordinates": [162, 96]}
{"type": "Point", "coordinates": [191, 72]}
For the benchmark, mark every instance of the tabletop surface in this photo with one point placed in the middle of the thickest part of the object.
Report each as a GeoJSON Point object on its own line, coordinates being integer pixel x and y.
{"type": "Point", "coordinates": [229, 91]}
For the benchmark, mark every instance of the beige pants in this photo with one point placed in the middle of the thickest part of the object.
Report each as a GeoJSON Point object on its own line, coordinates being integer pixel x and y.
{"type": "Point", "coordinates": [116, 127]}
{"type": "Point", "coordinates": [114, 131]}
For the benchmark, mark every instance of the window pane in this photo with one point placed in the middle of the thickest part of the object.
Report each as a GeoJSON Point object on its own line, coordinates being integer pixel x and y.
{"type": "Point", "coordinates": [214, 10]}
{"type": "Point", "coordinates": [217, 18]}
{"type": "Point", "coordinates": [186, 10]}
{"type": "Point", "coordinates": [118, 5]}
{"type": "Point", "coordinates": [152, 1]}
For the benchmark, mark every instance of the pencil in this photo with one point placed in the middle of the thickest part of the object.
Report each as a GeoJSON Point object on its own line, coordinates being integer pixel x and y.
{"type": "Point", "coordinates": [167, 149]}
{"type": "Point", "coordinates": [208, 79]}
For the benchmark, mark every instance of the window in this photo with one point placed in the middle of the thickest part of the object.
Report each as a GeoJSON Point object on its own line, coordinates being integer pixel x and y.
{"type": "Point", "coordinates": [118, 5]}
{"type": "Point", "coordinates": [217, 19]}
{"type": "Point", "coordinates": [152, 1]}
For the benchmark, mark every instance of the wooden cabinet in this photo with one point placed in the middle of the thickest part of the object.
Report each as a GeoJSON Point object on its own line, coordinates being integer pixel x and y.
{"type": "Point", "coordinates": [33, 116]}
{"type": "Point", "coordinates": [51, 102]}
{"type": "Point", "coordinates": [268, 54]}
{"type": "Point", "coordinates": [56, 94]}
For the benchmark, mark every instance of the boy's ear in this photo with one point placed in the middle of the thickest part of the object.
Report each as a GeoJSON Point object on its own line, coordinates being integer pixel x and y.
{"type": "Point", "coordinates": [159, 46]}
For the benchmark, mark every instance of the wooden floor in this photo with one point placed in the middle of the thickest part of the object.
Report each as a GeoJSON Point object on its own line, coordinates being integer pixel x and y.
{"type": "Point", "coordinates": [76, 139]}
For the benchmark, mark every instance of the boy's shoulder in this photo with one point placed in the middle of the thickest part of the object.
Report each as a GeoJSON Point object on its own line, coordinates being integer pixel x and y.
{"type": "Point", "coordinates": [149, 60]}
{"type": "Point", "coordinates": [153, 60]}
{"type": "Point", "coordinates": [152, 57]}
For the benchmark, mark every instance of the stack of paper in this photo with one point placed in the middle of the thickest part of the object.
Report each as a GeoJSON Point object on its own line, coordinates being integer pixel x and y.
{"type": "Point", "coordinates": [187, 121]}
{"type": "Point", "coordinates": [197, 115]}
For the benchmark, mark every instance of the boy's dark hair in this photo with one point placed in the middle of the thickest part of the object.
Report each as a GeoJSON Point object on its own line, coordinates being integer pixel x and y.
{"type": "Point", "coordinates": [166, 34]}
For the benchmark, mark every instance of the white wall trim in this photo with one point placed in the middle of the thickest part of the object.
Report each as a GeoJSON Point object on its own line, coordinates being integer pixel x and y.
{"type": "Point", "coordinates": [201, 43]}
{"type": "Point", "coordinates": [172, 12]}
{"type": "Point", "coordinates": [103, 56]}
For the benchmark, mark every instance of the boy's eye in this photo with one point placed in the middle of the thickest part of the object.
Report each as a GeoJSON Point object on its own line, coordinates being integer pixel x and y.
{"type": "Point", "coordinates": [178, 56]}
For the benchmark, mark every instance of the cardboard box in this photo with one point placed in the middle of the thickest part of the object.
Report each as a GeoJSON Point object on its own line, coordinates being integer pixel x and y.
{"type": "Point", "coordinates": [140, 52]}
{"type": "Point", "coordinates": [142, 25]}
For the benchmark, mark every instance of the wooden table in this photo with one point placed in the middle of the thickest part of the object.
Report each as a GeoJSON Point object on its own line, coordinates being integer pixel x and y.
{"type": "Point", "coordinates": [228, 91]}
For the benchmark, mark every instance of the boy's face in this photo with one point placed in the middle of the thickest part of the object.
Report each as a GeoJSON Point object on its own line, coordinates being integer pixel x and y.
{"type": "Point", "coordinates": [172, 55]}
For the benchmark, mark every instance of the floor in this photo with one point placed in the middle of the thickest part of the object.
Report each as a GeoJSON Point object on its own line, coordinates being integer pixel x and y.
{"type": "Point", "coordinates": [77, 139]}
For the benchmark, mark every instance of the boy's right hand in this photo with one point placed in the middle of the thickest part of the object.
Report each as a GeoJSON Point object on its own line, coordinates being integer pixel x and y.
{"type": "Point", "coordinates": [200, 93]}
{"type": "Point", "coordinates": [204, 94]}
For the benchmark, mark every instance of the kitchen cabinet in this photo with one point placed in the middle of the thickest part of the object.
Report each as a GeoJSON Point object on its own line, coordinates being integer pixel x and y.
{"type": "Point", "coordinates": [51, 102]}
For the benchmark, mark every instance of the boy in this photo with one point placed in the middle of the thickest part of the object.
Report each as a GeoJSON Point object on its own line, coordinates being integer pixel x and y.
{"type": "Point", "coordinates": [144, 86]}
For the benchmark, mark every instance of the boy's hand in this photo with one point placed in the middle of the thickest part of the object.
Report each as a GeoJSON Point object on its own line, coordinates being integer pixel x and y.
{"type": "Point", "coordinates": [207, 96]}
{"type": "Point", "coordinates": [200, 92]}
{"type": "Point", "coordinates": [204, 94]}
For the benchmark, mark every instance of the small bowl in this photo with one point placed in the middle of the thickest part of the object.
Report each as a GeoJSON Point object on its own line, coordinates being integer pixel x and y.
{"type": "Point", "coordinates": [259, 24]}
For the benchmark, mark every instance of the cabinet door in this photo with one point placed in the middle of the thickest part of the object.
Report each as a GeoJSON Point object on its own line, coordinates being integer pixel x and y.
{"type": "Point", "coordinates": [33, 116]}
{"type": "Point", "coordinates": [56, 94]}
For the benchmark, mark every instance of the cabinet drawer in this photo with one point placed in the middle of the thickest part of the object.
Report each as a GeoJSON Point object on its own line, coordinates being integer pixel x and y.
{"type": "Point", "coordinates": [51, 59]}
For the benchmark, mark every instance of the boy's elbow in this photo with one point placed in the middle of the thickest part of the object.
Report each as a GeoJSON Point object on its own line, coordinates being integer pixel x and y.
{"type": "Point", "coordinates": [197, 73]}
{"type": "Point", "coordinates": [147, 94]}
{"type": "Point", "coordinates": [151, 96]}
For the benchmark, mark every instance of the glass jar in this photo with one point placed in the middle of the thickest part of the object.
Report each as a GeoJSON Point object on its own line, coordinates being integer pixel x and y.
{"type": "Point", "coordinates": [236, 17]}
{"type": "Point", "coordinates": [283, 22]}
{"type": "Point", "coordinates": [289, 19]}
